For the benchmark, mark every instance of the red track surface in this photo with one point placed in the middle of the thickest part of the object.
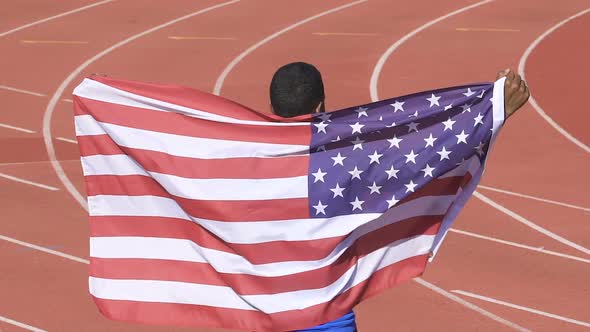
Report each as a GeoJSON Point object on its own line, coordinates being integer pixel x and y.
{"type": "Point", "coordinates": [50, 292]}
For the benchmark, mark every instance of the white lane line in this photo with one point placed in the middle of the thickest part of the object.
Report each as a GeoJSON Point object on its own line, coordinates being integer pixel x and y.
{"type": "Point", "coordinates": [234, 62]}
{"type": "Point", "coordinates": [67, 140]}
{"type": "Point", "coordinates": [518, 245]}
{"type": "Point", "coordinates": [60, 90]}
{"type": "Point", "coordinates": [469, 305]}
{"type": "Point", "coordinates": [24, 130]}
{"type": "Point", "coordinates": [534, 198]}
{"type": "Point", "coordinates": [532, 100]}
{"type": "Point", "coordinates": [530, 224]}
{"type": "Point", "coordinates": [67, 100]}
{"type": "Point", "coordinates": [383, 59]}
{"type": "Point", "coordinates": [9, 88]}
{"type": "Point", "coordinates": [5, 33]}
{"type": "Point", "coordinates": [37, 162]}
{"type": "Point", "coordinates": [30, 183]}
{"type": "Point", "coordinates": [19, 324]}
{"type": "Point", "coordinates": [519, 307]}
{"type": "Point", "coordinates": [44, 249]}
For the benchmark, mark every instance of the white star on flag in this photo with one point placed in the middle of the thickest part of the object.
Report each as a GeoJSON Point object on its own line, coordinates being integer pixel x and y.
{"type": "Point", "coordinates": [448, 107]}
{"type": "Point", "coordinates": [412, 126]}
{"type": "Point", "coordinates": [415, 115]}
{"type": "Point", "coordinates": [362, 111]}
{"type": "Point", "coordinates": [321, 127]}
{"type": "Point", "coordinates": [469, 93]}
{"type": "Point", "coordinates": [375, 188]}
{"type": "Point", "coordinates": [411, 157]}
{"type": "Point", "coordinates": [337, 191]}
{"type": "Point", "coordinates": [320, 208]}
{"type": "Point", "coordinates": [375, 157]}
{"type": "Point", "coordinates": [356, 173]}
{"type": "Point", "coordinates": [336, 140]}
{"type": "Point", "coordinates": [448, 124]}
{"type": "Point", "coordinates": [398, 106]}
{"type": "Point", "coordinates": [356, 128]}
{"type": "Point", "coordinates": [427, 170]}
{"type": "Point", "coordinates": [481, 94]}
{"type": "Point", "coordinates": [444, 154]}
{"type": "Point", "coordinates": [338, 160]}
{"type": "Point", "coordinates": [479, 148]}
{"type": "Point", "coordinates": [394, 142]}
{"type": "Point", "coordinates": [391, 202]}
{"type": "Point", "coordinates": [410, 186]}
{"type": "Point", "coordinates": [462, 137]}
{"type": "Point", "coordinates": [321, 148]}
{"type": "Point", "coordinates": [325, 117]}
{"type": "Point", "coordinates": [356, 204]}
{"type": "Point", "coordinates": [466, 108]}
{"type": "Point", "coordinates": [392, 173]}
{"type": "Point", "coordinates": [478, 119]}
{"type": "Point", "coordinates": [433, 100]}
{"type": "Point", "coordinates": [430, 141]}
{"type": "Point", "coordinates": [319, 175]}
{"type": "Point", "coordinates": [358, 143]}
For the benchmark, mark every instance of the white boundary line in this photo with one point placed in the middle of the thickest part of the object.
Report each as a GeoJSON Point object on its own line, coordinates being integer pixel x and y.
{"type": "Point", "coordinates": [236, 60]}
{"type": "Point", "coordinates": [19, 324]}
{"type": "Point", "coordinates": [9, 88]}
{"type": "Point", "coordinates": [530, 224]}
{"type": "Point", "coordinates": [24, 130]}
{"type": "Point", "coordinates": [379, 66]}
{"type": "Point", "coordinates": [5, 33]}
{"type": "Point", "coordinates": [514, 306]}
{"type": "Point", "coordinates": [30, 183]}
{"type": "Point", "coordinates": [66, 140]}
{"type": "Point", "coordinates": [60, 90]}
{"type": "Point", "coordinates": [45, 250]}
{"type": "Point", "coordinates": [521, 69]}
{"type": "Point", "coordinates": [469, 305]}
{"type": "Point", "coordinates": [544, 200]}
{"type": "Point", "coordinates": [519, 245]}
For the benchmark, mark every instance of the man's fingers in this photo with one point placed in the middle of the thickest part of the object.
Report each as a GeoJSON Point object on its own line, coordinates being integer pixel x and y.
{"type": "Point", "coordinates": [510, 75]}
{"type": "Point", "coordinates": [502, 73]}
{"type": "Point", "coordinates": [522, 86]}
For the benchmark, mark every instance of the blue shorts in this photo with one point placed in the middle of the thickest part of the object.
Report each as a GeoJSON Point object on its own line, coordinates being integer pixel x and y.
{"type": "Point", "coordinates": [346, 323]}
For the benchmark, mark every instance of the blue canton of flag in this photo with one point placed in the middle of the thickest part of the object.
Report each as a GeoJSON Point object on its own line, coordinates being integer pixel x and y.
{"type": "Point", "coordinates": [370, 158]}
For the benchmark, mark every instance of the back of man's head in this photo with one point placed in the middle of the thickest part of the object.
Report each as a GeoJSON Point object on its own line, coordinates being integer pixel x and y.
{"type": "Point", "coordinates": [296, 89]}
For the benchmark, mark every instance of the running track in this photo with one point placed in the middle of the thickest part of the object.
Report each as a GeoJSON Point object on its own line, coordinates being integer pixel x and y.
{"type": "Point", "coordinates": [43, 229]}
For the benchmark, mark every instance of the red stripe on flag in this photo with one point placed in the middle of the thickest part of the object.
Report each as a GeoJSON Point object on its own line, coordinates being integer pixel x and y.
{"type": "Point", "coordinates": [227, 168]}
{"type": "Point", "coordinates": [193, 98]}
{"type": "Point", "coordinates": [245, 210]}
{"type": "Point", "coordinates": [243, 284]}
{"type": "Point", "coordinates": [206, 316]}
{"type": "Point", "coordinates": [180, 124]}
{"type": "Point", "coordinates": [439, 187]}
{"type": "Point", "coordinates": [258, 253]}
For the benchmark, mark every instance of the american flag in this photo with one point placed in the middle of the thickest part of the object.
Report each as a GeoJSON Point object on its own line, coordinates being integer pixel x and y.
{"type": "Point", "coordinates": [206, 213]}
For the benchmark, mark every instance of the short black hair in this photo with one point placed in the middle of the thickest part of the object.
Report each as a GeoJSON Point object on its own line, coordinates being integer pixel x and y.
{"type": "Point", "coordinates": [296, 89]}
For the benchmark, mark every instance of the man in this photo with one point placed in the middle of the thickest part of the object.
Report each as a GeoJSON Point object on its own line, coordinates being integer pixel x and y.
{"type": "Point", "coordinates": [297, 89]}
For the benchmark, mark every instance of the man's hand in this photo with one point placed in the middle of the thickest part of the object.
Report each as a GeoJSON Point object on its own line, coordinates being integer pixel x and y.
{"type": "Point", "coordinates": [516, 92]}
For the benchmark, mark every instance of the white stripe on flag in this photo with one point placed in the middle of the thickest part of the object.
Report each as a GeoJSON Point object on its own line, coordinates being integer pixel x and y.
{"type": "Point", "coordinates": [225, 297]}
{"type": "Point", "coordinates": [183, 146]}
{"type": "Point", "coordinates": [267, 231]}
{"type": "Point", "coordinates": [201, 189]}
{"type": "Point", "coordinates": [94, 90]}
